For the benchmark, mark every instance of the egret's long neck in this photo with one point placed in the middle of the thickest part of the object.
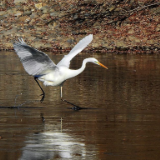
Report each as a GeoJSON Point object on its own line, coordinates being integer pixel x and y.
{"type": "Point", "coordinates": [80, 70]}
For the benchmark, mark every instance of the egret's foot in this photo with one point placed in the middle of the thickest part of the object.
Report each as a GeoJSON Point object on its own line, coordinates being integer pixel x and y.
{"type": "Point", "coordinates": [43, 96]}
{"type": "Point", "coordinates": [76, 108]}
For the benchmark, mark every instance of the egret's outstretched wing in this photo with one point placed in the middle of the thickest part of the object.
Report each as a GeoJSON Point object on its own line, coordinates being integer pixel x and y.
{"type": "Point", "coordinates": [77, 49]}
{"type": "Point", "coordinates": [35, 62]}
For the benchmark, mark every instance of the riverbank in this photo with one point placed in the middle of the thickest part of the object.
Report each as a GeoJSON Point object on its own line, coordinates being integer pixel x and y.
{"type": "Point", "coordinates": [57, 26]}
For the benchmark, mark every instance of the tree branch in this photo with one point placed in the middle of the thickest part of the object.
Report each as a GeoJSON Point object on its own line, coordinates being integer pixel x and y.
{"type": "Point", "coordinates": [143, 7]}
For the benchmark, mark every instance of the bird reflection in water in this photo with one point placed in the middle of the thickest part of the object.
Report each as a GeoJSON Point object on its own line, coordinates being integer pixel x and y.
{"type": "Point", "coordinates": [51, 145]}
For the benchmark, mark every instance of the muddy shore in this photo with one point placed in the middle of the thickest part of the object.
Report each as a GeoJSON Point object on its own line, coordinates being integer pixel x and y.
{"type": "Point", "coordinates": [58, 25]}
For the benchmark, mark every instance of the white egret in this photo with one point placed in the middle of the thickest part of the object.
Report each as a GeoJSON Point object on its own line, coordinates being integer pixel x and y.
{"type": "Point", "coordinates": [39, 65]}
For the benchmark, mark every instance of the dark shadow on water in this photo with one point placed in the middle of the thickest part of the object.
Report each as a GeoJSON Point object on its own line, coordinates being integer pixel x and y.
{"type": "Point", "coordinates": [31, 107]}
{"type": "Point", "coordinates": [77, 108]}
{"type": "Point", "coordinates": [15, 107]}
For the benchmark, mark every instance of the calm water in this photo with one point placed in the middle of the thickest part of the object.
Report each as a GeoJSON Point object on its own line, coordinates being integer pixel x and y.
{"type": "Point", "coordinates": [122, 122]}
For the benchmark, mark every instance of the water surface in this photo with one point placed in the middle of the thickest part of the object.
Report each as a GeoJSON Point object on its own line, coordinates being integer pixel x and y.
{"type": "Point", "coordinates": [121, 122]}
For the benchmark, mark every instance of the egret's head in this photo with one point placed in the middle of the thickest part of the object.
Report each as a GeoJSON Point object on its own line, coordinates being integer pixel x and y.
{"type": "Point", "coordinates": [95, 61]}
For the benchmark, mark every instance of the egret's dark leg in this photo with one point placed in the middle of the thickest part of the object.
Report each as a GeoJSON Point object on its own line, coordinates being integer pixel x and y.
{"type": "Point", "coordinates": [75, 106]}
{"type": "Point", "coordinates": [43, 93]}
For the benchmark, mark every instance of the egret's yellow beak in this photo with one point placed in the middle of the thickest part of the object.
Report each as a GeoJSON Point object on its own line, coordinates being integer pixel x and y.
{"type": "Point", "coordinates": [102, 65]}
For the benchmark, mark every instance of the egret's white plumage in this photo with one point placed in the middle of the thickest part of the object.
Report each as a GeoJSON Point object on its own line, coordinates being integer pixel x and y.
{"type": "Point", "coordinates": [77, 49]}
{"type": "Point", "coordinates": [39, 65]}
